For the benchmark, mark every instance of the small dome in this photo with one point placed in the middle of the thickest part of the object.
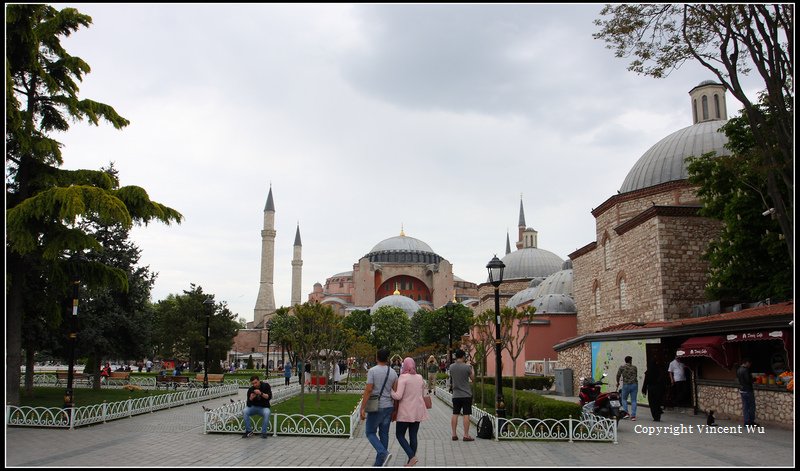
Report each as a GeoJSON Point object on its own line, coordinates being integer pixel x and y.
{"type": "Point", "coordinates": [554, 304]}
{"type": "Point", "coordinates": [530, 262]}
{"type": "Point", "coordinates": [402, 243]}
{"type": "Point", "coordinates": [536, 281]}
{"type": "Point", "coordinates": [567, 265]}
{"type": "Point", "coordinates": [398, 300]}
{"type": "Point", "coordinates": [522, 297]}
{"type": "Point", "coordinates": [665, 161]}
{"type": "Point", "coordinates": [559, 282]}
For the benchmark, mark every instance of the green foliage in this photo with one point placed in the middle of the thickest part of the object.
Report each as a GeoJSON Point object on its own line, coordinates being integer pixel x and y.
{"type": "Point", "coordinates": [54, 397]}
{"type": "Point", "coordinates": [430, 327]}
{"type": "Point", "coordinates": [523, 383]}
{"type": "Point", "coordinates": [531, 405]}
{"type": "Point", "coordinates": [359, 321]}
{"type": "Point", "coordinates": [392, 330]}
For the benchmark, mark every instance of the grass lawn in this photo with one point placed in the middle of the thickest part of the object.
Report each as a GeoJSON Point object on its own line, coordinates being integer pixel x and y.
{"type": "Point", "coordinates": [330, 404]}
{"type": "Point", "coordinates": [54, 397]}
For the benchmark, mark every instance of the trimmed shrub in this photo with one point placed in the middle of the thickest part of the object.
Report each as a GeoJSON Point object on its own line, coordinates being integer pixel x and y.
{"type": "Point", "coordinates": [532, 405]}
{"type": "Point", "coordinates": [523, 382]}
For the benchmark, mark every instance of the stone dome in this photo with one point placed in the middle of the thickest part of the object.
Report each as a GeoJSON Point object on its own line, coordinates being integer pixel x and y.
{"type": "Point", "coordinates": [559, 282]}
{"type": "Point", "coordinates": [536, 281]}
{"type": "Point", "coordinates": [521, 297]}
{"type": "Point", "coordinates": [554, 304]}
{"type": "Point", "coordinates": [665, 161]}
{"type": "Point", "coordinates": [530, 262]}
{"type": "Point", "coordinates": [398, 300]}
{"type": "Point", "coordinates": [403, 249]}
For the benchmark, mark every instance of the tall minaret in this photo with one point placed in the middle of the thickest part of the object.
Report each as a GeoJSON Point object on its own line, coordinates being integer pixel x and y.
{"type": "Point", "coordinates": [508, 243]}
{"type": "Point", "coordinates": [297, 267]}
{"type": "Point", "coordinates": [265, 303]}
{"type": "Point", "coordinates": [521, 225]}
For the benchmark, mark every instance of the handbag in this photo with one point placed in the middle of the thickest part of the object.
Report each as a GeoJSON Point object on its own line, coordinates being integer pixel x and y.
{"type": "Point", "coordinates": [396, 408]}
{"type": "Point", "coordinates": [374, 399]}
{"type": "Point", "coordinates": [428, 402]}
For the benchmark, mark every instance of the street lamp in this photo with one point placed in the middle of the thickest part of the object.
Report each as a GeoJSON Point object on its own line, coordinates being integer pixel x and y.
{"type": "Point", "coordinates": [450, 307]}
{"type": "Point", "coordinates": [208, 306]}
{"type": "Point", "coordinates": [269, 329]}
{"type": "Point", "coordinates": [495, 268]}
{"type": "Point", "coordinates": [69, 399]}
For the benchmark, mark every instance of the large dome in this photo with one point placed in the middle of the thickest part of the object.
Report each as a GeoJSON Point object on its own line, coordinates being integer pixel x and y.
{"type": "Point", "coordinates": [665, 161]}
{"type": "Point", "coordinates": [403, 249]}
{"type": "Point", "coordinates": [530, 263]}
{"type": "Point", "coordinates": [402, 243]}
{"type": "Point", "coordinates": [398, 300]}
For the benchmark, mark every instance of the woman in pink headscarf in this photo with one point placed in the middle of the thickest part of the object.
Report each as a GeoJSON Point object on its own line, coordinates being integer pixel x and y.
{"type": "Point", "coordinates": [409, 389]}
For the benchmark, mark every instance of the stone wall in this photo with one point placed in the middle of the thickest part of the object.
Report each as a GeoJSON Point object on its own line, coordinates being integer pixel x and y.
{"type": "Point", "coordinates": [579, 360]}
{"type": "Point", "coordinates": [772, 407]}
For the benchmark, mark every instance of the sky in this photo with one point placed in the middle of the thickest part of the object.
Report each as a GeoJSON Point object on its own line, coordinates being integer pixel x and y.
{"type": "Point", "coordinates": [364, 119]}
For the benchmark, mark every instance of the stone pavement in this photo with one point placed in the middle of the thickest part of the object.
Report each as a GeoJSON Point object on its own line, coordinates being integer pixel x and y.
{"type": "Point", "coordinates": [175, 437]}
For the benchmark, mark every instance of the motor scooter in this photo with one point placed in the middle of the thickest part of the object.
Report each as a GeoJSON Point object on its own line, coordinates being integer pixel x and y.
{"type": "Point", "coordinates": [603, 404]}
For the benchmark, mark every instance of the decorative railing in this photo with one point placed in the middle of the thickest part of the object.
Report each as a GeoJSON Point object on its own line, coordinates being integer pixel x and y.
{"type": "Point", "coordinates": [27, 416]}
{"type": "Point", "coordinates": [589, 427]}
{"type": "Point", "coordinates": [229, 419]}
{"type": "Point", "coordinates": [45, 380]}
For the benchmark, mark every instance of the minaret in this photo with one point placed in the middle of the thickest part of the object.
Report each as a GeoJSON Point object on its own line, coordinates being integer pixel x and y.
{"type": "Point", "coordinates": [297, 267]}
{"type": "Point", "coordinates": [508, 244]}
{"type": "Point", "coordinates": [521, 225]}
{"type": "Point", "coordinates": [265, 303]}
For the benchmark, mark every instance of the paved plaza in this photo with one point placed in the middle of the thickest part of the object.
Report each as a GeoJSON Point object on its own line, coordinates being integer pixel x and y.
{"type": "Point", "coordinates": [175, 437]}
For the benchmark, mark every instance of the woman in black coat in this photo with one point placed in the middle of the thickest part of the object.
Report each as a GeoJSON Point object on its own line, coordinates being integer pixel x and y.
{"type": "Point", "coordinates": [656, 383]}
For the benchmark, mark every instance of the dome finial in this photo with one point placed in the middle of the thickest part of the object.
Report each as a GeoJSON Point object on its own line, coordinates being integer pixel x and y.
{"type": "Point", "coordinates": [396, 291]}
{"type": "Point", "coordinates": [402, 234]}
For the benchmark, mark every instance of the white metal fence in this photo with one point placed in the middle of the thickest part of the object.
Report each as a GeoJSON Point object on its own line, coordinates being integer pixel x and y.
{"type": "Point", "coordinates": [26, 416]}
{"type": "Point", "coordinates": [589, 427]}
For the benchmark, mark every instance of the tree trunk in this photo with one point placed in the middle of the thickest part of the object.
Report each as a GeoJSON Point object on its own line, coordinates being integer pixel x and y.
{"type": "Point", "coordinates": [14, 328]}
{"type": "Point", "coordinates": [29, 355]}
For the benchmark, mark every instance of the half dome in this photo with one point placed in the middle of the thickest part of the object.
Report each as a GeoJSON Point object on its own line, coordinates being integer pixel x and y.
{"type": "Point", "coordinates": [398, 300]}
{"type": "Point", "coordinates": [554, 304]}
{"type": "Point", "coordinates": [559, 282]}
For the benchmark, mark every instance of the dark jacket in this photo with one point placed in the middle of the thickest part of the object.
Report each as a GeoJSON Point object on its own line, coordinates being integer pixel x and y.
{"type": "Point", "coordinates": [656, 381]}
{"type": "Point", "coordinates": [745, 379]}
{"type": "Point", "coordinates": [260, 401]}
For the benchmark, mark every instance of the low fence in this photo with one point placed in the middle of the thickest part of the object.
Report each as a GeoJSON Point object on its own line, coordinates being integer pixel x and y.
{"type": "Point", "coordinates": [229, 418]}
{"type": "Point", "coordinates": [26, 416]}
{"type": "Point", "coordinates": [589, 427]}
{"type": "Point", "coordinates": [51, 380]}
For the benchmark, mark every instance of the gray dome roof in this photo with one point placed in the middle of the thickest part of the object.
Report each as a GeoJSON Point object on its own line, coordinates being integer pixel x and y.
{"type": "Point", "coordinates": [664, 162]}
{"type": "Point", "coordinates": [530, 263]}
{"type": "Point", "coordinates": [536, 281]}
{"type": "Point", "coordinates": [523, 296]}
{"type": "Point", "coordinates": [554, 304]}
{"type": "Point", "coordinates": [398, 300]}
{"type": "Point", "coordinates": [402, 243]}
{"type": "Point", "coordinates": [559, 282]}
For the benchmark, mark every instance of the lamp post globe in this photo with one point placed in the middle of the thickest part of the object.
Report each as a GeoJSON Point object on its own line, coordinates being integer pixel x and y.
{"type": "Point", "coordinates": [208, 307]}
{"type": "Point", "coordinates": [495, 268]}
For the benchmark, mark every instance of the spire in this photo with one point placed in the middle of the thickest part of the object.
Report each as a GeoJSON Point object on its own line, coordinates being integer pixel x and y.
{"type": "Point", "coordinates": [402, 234]}
{"type": "Point", "coordinates": [521, 213]}
{"type": "Point", "coordinates": [270, 204]}
{"type": "Point", "coordinates": [297, 236]}
{"type": "Point", "coordinates": [508, 243]}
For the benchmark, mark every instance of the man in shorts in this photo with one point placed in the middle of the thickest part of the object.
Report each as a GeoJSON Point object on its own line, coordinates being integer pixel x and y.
{"type": "Point", "coordinates": [461, 375]}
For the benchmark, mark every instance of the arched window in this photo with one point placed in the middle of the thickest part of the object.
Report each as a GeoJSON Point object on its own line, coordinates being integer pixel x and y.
{"type": "Point", "coordinates": [597, 300]}
{"type": "Point", "coordinates": [716, 105]}
{"type": "Point", "coordinates": [694, 109]}
{"type": "Point", "coordinates": [705, 107]}
{"type": "Point", "coordinates": [606, 253]}
{"type": "Point", "coordinates": [623, 294]}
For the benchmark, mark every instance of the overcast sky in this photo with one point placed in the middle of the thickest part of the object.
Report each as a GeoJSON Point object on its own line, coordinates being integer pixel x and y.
{"type": "Point", "coordinates": [364, 118]}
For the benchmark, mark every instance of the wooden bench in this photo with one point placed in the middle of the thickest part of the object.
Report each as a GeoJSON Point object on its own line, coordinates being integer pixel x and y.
{"type": "Point", "coordinates": [120, 376]}
{"type": "Point", "coordinates": [76, 377]}
{"type": "Point", "coordinates": [215, 378]}
{"type": "Point", "coordinates": [166, 381]}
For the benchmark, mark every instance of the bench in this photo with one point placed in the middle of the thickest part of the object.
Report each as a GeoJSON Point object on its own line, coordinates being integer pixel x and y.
{"type": "Point", "coordinates": [76, 377]}
{"type": "Point", "coordinates": [166, 381]}
{"type": "Point", "coordinates": [120, 375]}
{"type": "Point", "coordinates": [215, 378]}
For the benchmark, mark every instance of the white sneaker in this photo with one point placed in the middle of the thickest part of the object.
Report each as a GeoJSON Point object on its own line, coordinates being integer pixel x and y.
{"type": "Point", "coordinates": [386, 461]}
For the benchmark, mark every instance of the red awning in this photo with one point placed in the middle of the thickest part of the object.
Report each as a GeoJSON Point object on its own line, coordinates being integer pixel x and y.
{"type": "Point", "coordinates": [710, 347]}
{"type": "Point", "coordinates": [781, 335]}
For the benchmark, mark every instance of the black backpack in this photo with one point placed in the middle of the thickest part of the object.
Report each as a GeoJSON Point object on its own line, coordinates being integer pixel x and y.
{"type": "Point", "coordinates": [485, 429]}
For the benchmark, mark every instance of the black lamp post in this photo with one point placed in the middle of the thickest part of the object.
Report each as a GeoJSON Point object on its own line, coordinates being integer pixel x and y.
{"type": "Point", "coordinates": [69, 398]}
{"type": "Point", "coordinates": [495, 268]}
{"type": "Point", "coordinates": [450, 307]}
{"type": "Point", "coordinates": [208, 306]}
{"type": "Point", "coordinates": [269, 330]}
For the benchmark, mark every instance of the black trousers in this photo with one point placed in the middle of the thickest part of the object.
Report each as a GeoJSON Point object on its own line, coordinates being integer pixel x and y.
{"type": "Point", "coordinates": [655, 399]}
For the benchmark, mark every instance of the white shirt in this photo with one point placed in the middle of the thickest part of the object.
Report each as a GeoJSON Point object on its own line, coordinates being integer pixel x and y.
{"type": "Point", "coordinates": [676, 368]}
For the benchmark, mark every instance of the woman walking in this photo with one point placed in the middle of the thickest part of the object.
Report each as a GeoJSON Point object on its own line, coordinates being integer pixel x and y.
{"type": "Point", "coordinates": [409, 390]}
{"type": "Point", "coordinates": [433, 368]}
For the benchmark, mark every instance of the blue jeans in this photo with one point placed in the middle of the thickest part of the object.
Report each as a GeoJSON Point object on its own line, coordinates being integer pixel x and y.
{"type": "Point", "coordinates": [378, 423]}
{"type": "Point", "coordinates": [748, 407]}
{"type": "Point", "coordinates": [400, 433]}
{"type": "Point", "coordinates": [631, 390]}
{"type": "Point", "coordinates": [256, 410]}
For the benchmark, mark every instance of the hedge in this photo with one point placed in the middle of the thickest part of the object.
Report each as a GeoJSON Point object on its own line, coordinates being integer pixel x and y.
{"type": "Point", "coordinates": [531, 405]}
{"type": "Point", "coordinates": [523, 382]}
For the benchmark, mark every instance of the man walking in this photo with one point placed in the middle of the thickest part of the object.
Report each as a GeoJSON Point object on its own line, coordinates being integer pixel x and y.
{"type": "Point", "coordinates": [258, 397]}
{"type": "Point", "coordinates": [677, 376]}
{"type": "Point", "coordinates": [461, 374]}
{"type": "Point", "coordinates": [630, 385]}
{"type": "Point", "coordinates": [746, 391]}
{"type": "Point", "coordinates": [380, 379]}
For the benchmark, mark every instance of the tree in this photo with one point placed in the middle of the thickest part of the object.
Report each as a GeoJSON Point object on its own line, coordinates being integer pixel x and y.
{"type": "Point", "coordinates": [747, 262]}
{"type": "Point", "coordinates": [44, 203]}
{"type": "Point", "coordinates": [359, 321]}
{"type": "Point", "coordinates": [392, 330]}
{"type": "Point", "coordinates": [515, 331]}
{"type": "Point", "coordinates": [729, 40]}
{"type": "Point", "coordinates": [482, 339]}
{"type": "Point", "coordinates": [180, 328]}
